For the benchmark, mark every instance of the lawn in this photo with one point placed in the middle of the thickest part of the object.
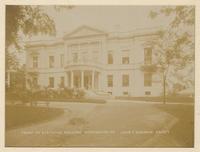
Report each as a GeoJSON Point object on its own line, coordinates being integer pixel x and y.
{"type": "Point", "coordinates": [81, 100]}
{"type": "Point", "coordinates": [170, 99]}
{"type": "Point", "coordinates": [17, 116]}
{"type": "Point", "coordinates": [183, 130]}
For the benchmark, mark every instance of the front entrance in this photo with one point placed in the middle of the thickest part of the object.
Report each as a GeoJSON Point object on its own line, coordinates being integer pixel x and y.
{"type": "Point", "coordinates": [83, 79]}
{"type": "Point", "coordinates": [77, 81]}
{"type": "Point", "coordinates": [87, 82]}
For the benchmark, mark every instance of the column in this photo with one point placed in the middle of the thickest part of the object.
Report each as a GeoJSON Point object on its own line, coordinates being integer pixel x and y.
{"type": "Point", "coordinates": [92, 79]}
{"type": "Point", "coordinates": [97, 80]}
{"type": "Point", "coordinates": [66, 79]}
{"type": "Point", "coordinates": [8, 78]}
{"type": "Point", "coordinates": [82, 79]}
{"type": "Point", "coordinates": [72, 79]}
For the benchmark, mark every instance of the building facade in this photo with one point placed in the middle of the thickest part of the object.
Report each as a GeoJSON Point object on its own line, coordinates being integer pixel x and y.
{"type": "Point", "coordinates": [92, 59]}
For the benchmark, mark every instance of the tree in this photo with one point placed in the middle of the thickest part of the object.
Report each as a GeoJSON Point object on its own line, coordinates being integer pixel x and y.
{"type": "Point", "coordinates": [27, 20]}
{"type": "Point", "coordinates": [174, 47]}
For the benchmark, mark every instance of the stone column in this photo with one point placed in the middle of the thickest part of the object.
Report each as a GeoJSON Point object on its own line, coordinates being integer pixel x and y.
{"type": "Point", "coordinates": [93, 79]}
{"type": "Point", "coordinates": [97, 79]}
{"type": "Point", "coordinates": [72, 79]}
{"type": "Point", "coordinates": [82, 79]}
{"type": "Point", "coordinates": [8, 78]}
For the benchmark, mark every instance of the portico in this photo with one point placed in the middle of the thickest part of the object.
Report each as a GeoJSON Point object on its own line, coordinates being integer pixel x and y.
{"type": "Point", "coordinates": [85, 79]}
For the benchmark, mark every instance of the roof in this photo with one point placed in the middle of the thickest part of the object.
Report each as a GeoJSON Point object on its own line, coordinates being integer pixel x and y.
{"type": "Point", "coordinates": [84, 31]}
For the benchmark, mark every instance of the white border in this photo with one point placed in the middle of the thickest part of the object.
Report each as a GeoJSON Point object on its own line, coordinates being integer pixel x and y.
{"type": "Point", "coordinates": [102, 2]}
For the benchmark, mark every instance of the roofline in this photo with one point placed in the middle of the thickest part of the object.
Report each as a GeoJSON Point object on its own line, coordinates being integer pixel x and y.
{"type": "Point", "coordinates": [133, 34]}
{"type": "Point", "coordinates": [66, 36]}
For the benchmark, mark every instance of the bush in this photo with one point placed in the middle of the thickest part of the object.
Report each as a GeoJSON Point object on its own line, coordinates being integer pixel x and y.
{"type": "Point", "coordinates": [79, 93]}
{"type": "Point", "coordinates": [26, 96]}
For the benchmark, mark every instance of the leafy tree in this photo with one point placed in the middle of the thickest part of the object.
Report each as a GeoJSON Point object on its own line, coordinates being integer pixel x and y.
{"type": "Point", "coordinates": [27, 20]}
{"type": "Point", "coordinates": [174, 47]}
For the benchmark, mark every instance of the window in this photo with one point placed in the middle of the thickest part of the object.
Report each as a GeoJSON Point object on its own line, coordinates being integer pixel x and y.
{"type": "Point", "coordinates": [95, 56]}
{"type": "Point", "coordinates": [125, 93]}
{"type": "Point", "coordinates": [51, 61]}
{"type": "Point", "coordinates": [125, 80]}
{"type": "Point", "coordinates": [84, 57]}
{"type": "Point", "coordinates": [110, 58]}
{"type": "Point", "coordinates": [147, 55]}
{"type": "Point", "coordinates": [62, 82]}
{"type": "Point", "coordinates": [62, 60]}
{"type": "Point", "coordinates": [35, 62]}
{"type": "Point", "coordinates": [110, 80]}
{"type": "Point", "coordinates": [109, 92]}
{"type": "Point", "coordinates": [125, 60]}
{"type": "Point", "coordinates": [75, 57]}
{"type": "Point", "coordinates": [51, 82]}
{"type": "Point", "coordinates": [147, 79]}
{"type": "Point", "coordinates": [147, 92]}
{"type": "Point", "coordinates": [35, 81]}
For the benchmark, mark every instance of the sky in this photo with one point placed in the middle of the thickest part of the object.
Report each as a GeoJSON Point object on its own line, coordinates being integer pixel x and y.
{"type": "Point", "coordinates": [107, 18]}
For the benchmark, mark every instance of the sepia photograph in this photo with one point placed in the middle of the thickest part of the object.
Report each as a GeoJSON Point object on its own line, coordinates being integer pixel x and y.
{"type": "Point", "coordinates": [100, 76]}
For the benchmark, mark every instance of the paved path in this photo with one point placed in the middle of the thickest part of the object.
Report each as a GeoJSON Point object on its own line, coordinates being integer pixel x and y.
{"type": "Point", "coordinates": [122, 124]}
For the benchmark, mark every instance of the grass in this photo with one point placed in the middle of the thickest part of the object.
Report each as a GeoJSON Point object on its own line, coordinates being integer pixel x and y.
{"type": "Point", "coordinates": [17, 116]}
{"type": "Point", "coordinates": [170, 99]}
{"type": "Point", "coordinates": [82, 100]}
{"type": "Point", "coordinates": [183, 130]}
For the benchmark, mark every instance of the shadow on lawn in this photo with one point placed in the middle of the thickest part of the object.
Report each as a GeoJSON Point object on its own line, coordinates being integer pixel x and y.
{"type": "Point", "coordinates": [183, 130]}
{"type": "Point", "coordinates": [18, 115]}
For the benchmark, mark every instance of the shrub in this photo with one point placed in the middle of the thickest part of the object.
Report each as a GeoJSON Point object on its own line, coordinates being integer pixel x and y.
{"type": "Point", "coordinates": [26, 96]}
{"type": "Point", "coordinates": [80, 93]}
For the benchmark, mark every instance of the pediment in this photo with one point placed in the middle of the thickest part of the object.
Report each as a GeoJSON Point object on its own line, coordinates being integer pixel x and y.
{"type": "Point", "coordinates": [84, 31]}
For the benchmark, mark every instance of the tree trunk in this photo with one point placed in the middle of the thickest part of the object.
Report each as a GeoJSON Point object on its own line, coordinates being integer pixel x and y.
{"type": "Point", "coordinates": [164, 89]}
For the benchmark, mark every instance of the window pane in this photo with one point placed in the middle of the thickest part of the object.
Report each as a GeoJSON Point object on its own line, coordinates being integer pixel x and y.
{"type": "Point", "coordinates": [35, 62]}
{"type": "Point", "coordinates": [35, 82]}
{"type": "Point", "coordinates": [147, 79]}
{"type": "Point", "coordinates": [147, 92]}
{"type": "Point", "coordinates": [84, 57]}
{"type": "Point", "coordinates": [110, 80]}
{"type": "Point", "coordinates": [75, 57]}
{"type": "Point", "coordinates": [125, 60]}
{"type": "Point", "coordinates": [62, 60]}
{"type": "Point", "coordinates": [51, 82]}
{"type": "Point", "coordinates": [51, 61]}
{"type": "Point", "coordinates": [62, 82]}
{"type": "Point", "coordinates": [95, 56]}
{"type": "Point", "coordinates": [110, 58]}
{"type": "Point", "coordinates": [125, 93]}
{"type": "Point", "coordinates": [125, 80]}
{"type": "Point", "coordinates": [147, 55]}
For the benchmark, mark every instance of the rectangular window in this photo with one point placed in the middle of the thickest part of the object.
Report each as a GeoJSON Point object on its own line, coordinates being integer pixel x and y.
{"type": "Point", "coordinates": [35, 62]}
{"type": "Point", "coordinates": [148, 56]}
{"type": "Point", "coordinates": [110, 80]}
{"type": "Point", "coordinates": [125, 80]}
{"type": "Point", "coordinates": [35, 81]}
{"type": "Point", "coordinates": [110, 58]}
{"type": "Point", "coordinates": [62, 82]}
{"type": "Point", "coordinates": [109, 92]}
{"type": "Point", "coordinates": [147, 79]}
{"type": "Point", "coordinates": [84, 57]}
{"type": "Point", "coordinates": [96, 56]}
{"type": "Point", "coordinates": [51, 82]}
{"type": "Point", "coordinates": [51, 61]}
{"type": "Point", "coordinates": [147, 92]}
{"type": "Point", "coordinates": [125, 93]}
{"type": "Point", "coordinates": [62, 60]}
{"type": "Point", "coordinates": [75, 57]}
{"type": "Point", "coordinates": [125, 60]}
